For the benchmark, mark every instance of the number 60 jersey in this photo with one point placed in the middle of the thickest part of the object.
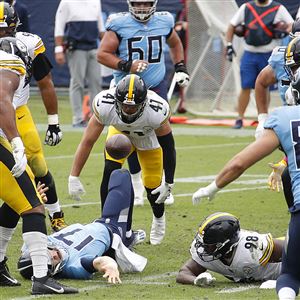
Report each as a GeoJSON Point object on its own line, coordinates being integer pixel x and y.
{"type": "Point", "coordinates": [141, 132]}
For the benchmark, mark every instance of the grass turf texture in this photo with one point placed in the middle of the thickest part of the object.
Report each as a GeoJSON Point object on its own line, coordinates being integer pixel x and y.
{"type": "Point", "coordinates": [200, 152]}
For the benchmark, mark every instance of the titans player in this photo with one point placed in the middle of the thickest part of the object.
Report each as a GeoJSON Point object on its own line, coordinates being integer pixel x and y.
{"type": "Point", "coordinates": [134, 42]}
{"type": "Point", "coordinates": [282, 128]}
{"type": "Point", "coordinates": [78, 251]}
{"type": "Point", "coordinates": [40, 70]}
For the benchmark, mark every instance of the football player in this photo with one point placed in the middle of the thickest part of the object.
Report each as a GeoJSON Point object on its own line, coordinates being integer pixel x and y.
{"type": "Point", "coordinates": [282, 129]}
{"type": "Point", "coordinates": [240, 255]}
{"type": "Point", "coordinates": [40, 70]}
{"type": "Point", "coordinates": [17, 187]}
{"type": "Point", "coordinates": [78, 251]}
{"type": "Point", "coordinates": [144, 117]}
{"type": "Point", "coordinates": [134, 42]}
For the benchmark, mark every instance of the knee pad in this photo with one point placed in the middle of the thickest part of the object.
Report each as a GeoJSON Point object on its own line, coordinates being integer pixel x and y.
{"type": "Point", "coordinates": [8, 217]}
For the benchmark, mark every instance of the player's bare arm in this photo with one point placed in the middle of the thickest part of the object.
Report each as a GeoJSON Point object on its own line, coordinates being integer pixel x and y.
{"type": "Point", "coordinates": [189, 271]}
{"type": "Point", "coordinates": [109, 267]}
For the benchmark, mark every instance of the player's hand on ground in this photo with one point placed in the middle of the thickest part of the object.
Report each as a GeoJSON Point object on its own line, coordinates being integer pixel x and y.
{"type": "Point", "coordinates": [42, 189]}
{"type": "Point", "coordinates": [19, 157]}
{"type": "Point", "coordinates": [274, 180]}
{"type": "Point", "coordinates": [205, 192]}
{"type": "Point", "coordinates": [204, 279]}
{"type": "Point", "coordinates": [112, 274]}
{"type": "Point", "coordinates": [164, 191]}
{"type": "Point", "coordinates": [139, 66]}
{"type": "Point", "coordinates": [76, 189]}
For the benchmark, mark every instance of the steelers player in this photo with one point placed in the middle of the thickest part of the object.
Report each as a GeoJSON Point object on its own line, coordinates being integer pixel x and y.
{"type": "Point", "coordinates": [41, 72]}
{"type": "Point", "coordinates": [143, 116]}
{"type": "Point", "coordinates": [17, 187]}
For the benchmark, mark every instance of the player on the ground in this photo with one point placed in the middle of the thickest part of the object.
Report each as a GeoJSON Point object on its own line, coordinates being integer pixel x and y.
{"type": "Point", "coordinates": [17, 187]}
{"type": "Point", "coordinates": [40, 70]}
{"type": "Point", "coordinates": [240, 255]}
{"type": "Point", "coordinates": [134, 42]}
{"type": "Point", "coordinates": [144, 117]}
{"type": "Point", "coordinates": [281, 129]}
{"type": "Point", "coordinates": [78, 251]}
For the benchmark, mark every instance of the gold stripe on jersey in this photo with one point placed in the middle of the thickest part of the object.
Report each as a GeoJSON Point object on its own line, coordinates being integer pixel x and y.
{"type": "Point", "coordinates": [268, 252]}
{"type": "Point", "coordinates": [39, 48]}
{"type": "Point", "coordinates": [130, 88]}
{"type": "Point", "coordinates": [2, 17]}
{"type": "Point", "coordinates": [211, 219]}
{"type": "Point", "coordinates": [13, 65]}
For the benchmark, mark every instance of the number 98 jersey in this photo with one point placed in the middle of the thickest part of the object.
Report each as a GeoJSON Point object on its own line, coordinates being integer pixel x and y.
{"type": "Point", "coordinates": [141, 132]}
{"type": "Point", "coordinates": [250, 259]}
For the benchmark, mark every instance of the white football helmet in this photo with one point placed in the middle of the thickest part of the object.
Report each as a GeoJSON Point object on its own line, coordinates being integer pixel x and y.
{"type": "Point", "coordinates": [139, 13]}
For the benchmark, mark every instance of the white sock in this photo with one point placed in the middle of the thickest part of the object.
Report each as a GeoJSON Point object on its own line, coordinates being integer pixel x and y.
{"type": "Point", "coordinates": [53, 208]}
{"type": "Point", "coordinates": [286, 293]}
{"type": "Point", "coordinates": [5, 236]}
{"type": "Point", "coordinates": [128, 233]}
{"type": "Point", "coordinates": [137, 177]}
{"type": "Point", "coordinates": [36, 243]}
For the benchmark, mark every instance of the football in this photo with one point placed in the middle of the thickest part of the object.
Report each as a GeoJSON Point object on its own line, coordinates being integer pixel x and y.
{"type": "Point", "coordinates": [118, 146]}
{"type": "Point", "coordinates": [239, 30]}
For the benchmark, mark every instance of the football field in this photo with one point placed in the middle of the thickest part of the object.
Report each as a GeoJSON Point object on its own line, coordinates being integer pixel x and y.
{"type": "Point", "coordinates": [201, 152]}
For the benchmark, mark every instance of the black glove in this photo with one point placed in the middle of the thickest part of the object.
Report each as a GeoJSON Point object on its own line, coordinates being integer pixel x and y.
{"type": "Point", "coordinates": [230, 52]}
{"type": "Point", "coordinates": [182, 76]}
{"type": "Point", "coordinates": [53, 135]}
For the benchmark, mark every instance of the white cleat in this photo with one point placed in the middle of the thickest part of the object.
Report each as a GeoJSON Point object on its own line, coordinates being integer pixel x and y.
{"type": "Point", "coordinates": [158, 230]}
{"type": "Point", "coordinates": [138, 188]}
{"type": "Point", "coordinates": [169, 200]}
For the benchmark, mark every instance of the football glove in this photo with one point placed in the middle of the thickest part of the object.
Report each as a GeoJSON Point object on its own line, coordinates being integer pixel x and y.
{"type": "Point", "coordinates": [274, 180]}
{"type": "Point", "coordinates": [260, 127]}
{"type": "Point", "coordinates": [181, 74]}
{"type": "Point", "coordinates": [230, 51]}
{"type": "Point", "coordinates": [76, 189]}
{"type": "Point", "coordinates": [164, 191]}
{"type": "Point", "coordinates": [53, 133]}
{"type": "Point", "coordinates": [205, 192]}
{"type": "Point", "coordinates": [204, 279]}
{"type": "Point", "coordinates": [19, 157]}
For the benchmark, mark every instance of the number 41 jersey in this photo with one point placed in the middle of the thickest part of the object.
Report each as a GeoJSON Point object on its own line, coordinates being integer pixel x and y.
{"type": "Point", "coordinates": [141, 132]}
{"type": "Point", "coordinates": [250, 260]}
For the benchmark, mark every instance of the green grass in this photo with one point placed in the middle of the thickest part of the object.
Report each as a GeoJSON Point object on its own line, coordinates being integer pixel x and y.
{"type": "Point", "coordinates": [197, 155]}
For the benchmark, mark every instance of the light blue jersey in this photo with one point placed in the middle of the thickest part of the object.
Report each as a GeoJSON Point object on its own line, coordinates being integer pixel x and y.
{"type": "Point", "coordinates": [142, 41]}
{"type": "Point", "coordinates": [276, 61]}
{"type": "Point", "coordinates": [285, 121]}
{"type": "Point", "coordinates": [80, 242]}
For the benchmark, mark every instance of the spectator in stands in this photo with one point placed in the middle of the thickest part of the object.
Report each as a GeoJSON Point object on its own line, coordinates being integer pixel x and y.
{"type": "Point", "coordinates": [22, 13]}
{"type": "Point", "coordinates": [134, 43]}
{"type": "Point", "coordinates": [78, 26]}
{"type": "Point", "coordinates": [259, 39]}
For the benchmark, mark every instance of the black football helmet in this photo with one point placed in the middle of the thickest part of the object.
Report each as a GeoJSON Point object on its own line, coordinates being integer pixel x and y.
{"type": "Point", "coordinates": [292, 57]}
{"type": "Point", "coordinates": [142, 14]}
{"type": "Point", "coordinates": [9, 19]}
{"type": "Point", "coordinates": [295, 29]}
{"type": "Point", "coordinates": [217, 235]}
{"type": "Point", "coordinates": [130, 96]}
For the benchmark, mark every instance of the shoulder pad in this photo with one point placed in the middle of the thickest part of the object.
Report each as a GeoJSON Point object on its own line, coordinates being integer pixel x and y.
{"type": "Point", "coordinates": [33, 42]}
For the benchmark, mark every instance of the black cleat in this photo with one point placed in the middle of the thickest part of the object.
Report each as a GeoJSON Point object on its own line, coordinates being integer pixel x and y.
{"type": "Point", "coordinates": [5, 278]}
{"type": "Point", "coordinates": [47, 285]}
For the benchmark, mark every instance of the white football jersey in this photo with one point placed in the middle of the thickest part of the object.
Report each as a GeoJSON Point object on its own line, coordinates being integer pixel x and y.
{"type": "Point", "coordinates": [141, 132]}
{"type": "Point", "coordinates": [14, 64]}
{"type": "Point", "coordinates": [34, 46]}
{"type": "Point", "coordinates": [250, 260]}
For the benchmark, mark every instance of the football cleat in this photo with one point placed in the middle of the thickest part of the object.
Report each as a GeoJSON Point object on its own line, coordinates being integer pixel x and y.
{"type": "Point", "coordinates": [139, 236]}
{"type": "Point", "coordinates": [47, 285]}
{"type": "Point", "coordinates": [158, 230]}
{"type": "Point", "coordinates": [57, 221]}
{"type": "Point", "coordinates": [5, 278]}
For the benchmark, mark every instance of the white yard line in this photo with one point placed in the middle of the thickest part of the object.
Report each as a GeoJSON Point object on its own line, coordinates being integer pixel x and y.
{"type": "Point", "coordinates": [238, 289]}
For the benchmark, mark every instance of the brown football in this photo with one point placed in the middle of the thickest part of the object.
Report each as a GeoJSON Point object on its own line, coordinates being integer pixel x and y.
{"type": "Point", "coordinates": [118, 146]}
{"type": "Point", "coordinates": [239, 30]}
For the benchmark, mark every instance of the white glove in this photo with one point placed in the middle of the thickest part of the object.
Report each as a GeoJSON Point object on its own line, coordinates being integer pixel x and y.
{"type": "Point", "coordinates": [260, 127]}
{"type": "Point", "coordinates": [204, 279]}
{"type": "Point", "coordinates": [274, 180]}
{"type": "Point", "coordinates": [76, 189]}
{"type": "Point", "coordinates": [182, 79]}
{"type": "Point", "coordinates": [141, 67]}
{"type": "Point", "coordinates": [164, 191]}
{"type": "Point", "coordinates": [269, 284]}
{"type": "Point", "coordinates": [19, 157]}
{"type": "Point", "coordinates": [53, 133]}
{"type": "Point", "coordinates": [205, 192]}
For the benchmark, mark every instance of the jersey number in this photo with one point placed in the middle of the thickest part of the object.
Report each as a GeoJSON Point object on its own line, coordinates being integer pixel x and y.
{"type": "Point", "coordinates": [153, 42]}
{"type": "Point", "coordinates": [251, 242]}
{"type": "Point", "coordinates": [62, 237]}
{"type": "Point", "coordinates": [296, 139]}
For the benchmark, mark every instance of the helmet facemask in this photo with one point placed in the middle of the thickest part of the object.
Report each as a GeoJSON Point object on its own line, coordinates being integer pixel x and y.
{"type": "Point", "coordinates": [142, 14]}
{"type": "Point", "coordinates": [292, 57]}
